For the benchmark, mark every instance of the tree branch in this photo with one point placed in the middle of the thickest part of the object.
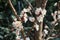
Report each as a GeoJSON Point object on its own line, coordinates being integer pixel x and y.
{"type": "Point", "coordinates": [15, 13]}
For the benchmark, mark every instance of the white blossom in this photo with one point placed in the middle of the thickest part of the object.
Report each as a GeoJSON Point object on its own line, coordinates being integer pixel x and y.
{"type": "Point", "coordinates": [27, 38]}
{"type": "Point", "coordinates": [45, 31]}
{"type": "Point", "coordinates": [55, 12]}
{"type": "Point", "coordinates": [36, 26]}
{"type": "Point", "coordinates": [17, 32]}
{"type": "Point", "coordinates": [43, 12]}
{"type": "Point", "coordinates": [25, 10]}
{"type": "Point", "coordinates": [25, 19]}
{"type": "Point", "coordinates": [46, 26]}
{"type": "Point", "coordinates": [54, 16]}
{"type": "Point", "coordinates": [25, 16]}
{"type": "Point", "coordinates": [17, 25]}
{"type": "Point", "coordinates": [37, 11]}
{"type": "Point", "coordinates": [29, 8]}
{"type": "Point", "coordinates": [18, 38]}
{"type": "Point", "coordinates": [55, 4]}
{"type": "Point", "coordinates": [32, 19]}
{"type": "Point", "coordinates": [41, 16]}
{"type": "Point", "coordinates": [21, 14]}
{"type": "Point", "coordinates": [15, 19]}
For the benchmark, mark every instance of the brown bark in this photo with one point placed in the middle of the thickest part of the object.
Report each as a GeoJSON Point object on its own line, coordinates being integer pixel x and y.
{"type": "Point", "coordinates": [38, 3]}
{"type": "Point", "coordinates": [13, 9]}
{"type": "Point", "coordinates": [40, 31]}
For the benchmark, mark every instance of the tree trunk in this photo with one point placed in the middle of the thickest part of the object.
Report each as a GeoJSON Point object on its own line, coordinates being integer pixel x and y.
{"type": "Point", "coordinates": [40, 31]}
{"type": "Point", "coordinates": [39, 34]}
